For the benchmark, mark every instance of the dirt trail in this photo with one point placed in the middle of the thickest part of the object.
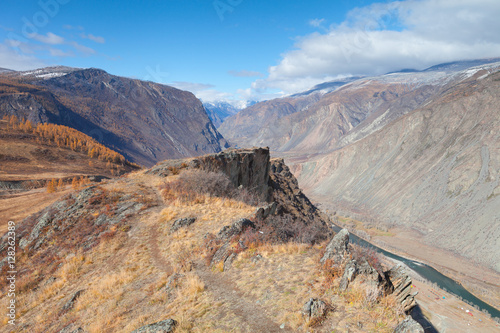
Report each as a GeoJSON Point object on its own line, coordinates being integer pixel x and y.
{"type": "Point", "coordinates": [158, 260]}
{"type": "Point", "coordinates": [250, 312]}
{"type": "Point", "coordinates": [221, 288]}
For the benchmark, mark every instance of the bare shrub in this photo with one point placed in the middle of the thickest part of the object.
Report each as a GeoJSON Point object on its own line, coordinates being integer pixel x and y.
{"type": "Point", "coordinates": [361, 253]}
{"type": "Point", "coordinates": [285, 228]}
{"type": "Point", "coordinates": [192, 184]}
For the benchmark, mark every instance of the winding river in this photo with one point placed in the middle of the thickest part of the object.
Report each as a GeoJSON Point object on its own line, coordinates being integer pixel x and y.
{"type": "Point", "coordinates": [431, 275]}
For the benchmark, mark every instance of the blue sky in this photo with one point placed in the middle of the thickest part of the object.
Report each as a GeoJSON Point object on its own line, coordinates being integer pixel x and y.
{"type": "Point", "coordinates": [243, 49]}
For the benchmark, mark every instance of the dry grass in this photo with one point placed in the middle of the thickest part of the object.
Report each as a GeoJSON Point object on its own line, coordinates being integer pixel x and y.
{"type": "Point", "coordinates": [125, 285]}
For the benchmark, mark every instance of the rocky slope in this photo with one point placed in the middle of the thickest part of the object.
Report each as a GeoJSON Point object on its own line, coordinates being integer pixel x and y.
{"type": "Point", "coordinates": [126, 256]}
{"type": "Point", "coordinates": [145, 121]}
{"type": "Point", "coordinates": [120, 257]}
{"type": "Point", "coordinates": [435, 170]}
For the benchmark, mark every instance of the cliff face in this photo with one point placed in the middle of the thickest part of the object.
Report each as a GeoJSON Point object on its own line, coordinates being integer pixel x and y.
{"type": "Point", "coordinates": [248, 168]}
{"type": "Point", "coordinates": [145, 121]}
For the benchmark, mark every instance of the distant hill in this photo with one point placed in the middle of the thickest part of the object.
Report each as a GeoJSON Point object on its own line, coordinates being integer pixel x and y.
{"type": "Point", "coordinates": [145, 121]}
{"type": "Point", "coordinates": [39, 153]}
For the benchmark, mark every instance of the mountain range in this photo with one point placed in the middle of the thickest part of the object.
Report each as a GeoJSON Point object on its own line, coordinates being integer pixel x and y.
{"type": "Point", "coordinates": [414, 149]}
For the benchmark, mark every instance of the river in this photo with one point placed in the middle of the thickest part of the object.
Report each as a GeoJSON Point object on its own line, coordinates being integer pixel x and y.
{"type": "Point", "coordinates": [431, 275]}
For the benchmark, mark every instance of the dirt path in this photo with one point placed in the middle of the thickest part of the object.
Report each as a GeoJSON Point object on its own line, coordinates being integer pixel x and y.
{"type": "Point", "coordinates": [158, 260]}
{"type": "Point", "coordinates": [250, 312]}
{"type": "Point", "coordinates": [217, 284]}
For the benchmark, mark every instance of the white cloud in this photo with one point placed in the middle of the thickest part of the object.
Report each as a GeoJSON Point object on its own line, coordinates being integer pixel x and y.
{"type": "Point", "coordinates": [60, 53]}
{"type": "Point", "coordinates": [97, 39]}
{"type": "Point", "coordinates": [316, 22]}
{"type": "Point", "coordinates": [82, 48]}
{"type": "Point", "coordinates": [384, 37]}
{"type": "Point", "coordinates": [11, 59]}
{"type": "Point", "coordinates": [50, 38]}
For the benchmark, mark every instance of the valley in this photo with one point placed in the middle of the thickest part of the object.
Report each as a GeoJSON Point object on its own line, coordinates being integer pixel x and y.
{"type": "Point", "coordinates": [402, 160]}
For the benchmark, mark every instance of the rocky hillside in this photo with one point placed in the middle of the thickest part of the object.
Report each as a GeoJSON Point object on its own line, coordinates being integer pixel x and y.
{"type": "Point", "coordinates": [140, 253]}
{"type": "Point", "coordinates": [144, 121]}
{"type": "Point", "coordinates": [435, 170]}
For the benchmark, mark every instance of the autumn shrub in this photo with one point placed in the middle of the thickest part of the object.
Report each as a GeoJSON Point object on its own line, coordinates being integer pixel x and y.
{"type": "Point", "coordinates": [192, 184]}
{"type": "Point", "coordinates": [361, 253]}
{"type": "Point", "coordinates": [286, 227]}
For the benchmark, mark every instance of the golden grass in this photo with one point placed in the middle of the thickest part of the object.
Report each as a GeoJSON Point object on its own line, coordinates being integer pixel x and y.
{"type": "Point", "coordinates": [125, 284]}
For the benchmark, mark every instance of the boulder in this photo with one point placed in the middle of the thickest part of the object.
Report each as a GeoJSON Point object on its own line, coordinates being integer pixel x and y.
{"type": "Point", "coordinates": [235, 229]}
{"type": "Point", "coordinates": [165, 326]}
{"type": "Point", "coordinates": [409, 326]}
{"type": "Point", "coordinates": [71, 302]}
{"type": "Point", "coordinates": [262, 213]}
{"type": "Point", "coordinates": [181, 223]}
{"type": "Point", "coordinates": [337, 249]}
{"type": "Point", "coordinates": [314, 309]}
{"type": "Point", "coordinates": [350, 272]}
{"type": "Point", "coordinates": [224, 254]}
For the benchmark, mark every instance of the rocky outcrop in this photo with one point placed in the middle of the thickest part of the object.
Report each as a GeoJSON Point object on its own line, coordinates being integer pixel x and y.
{"type": "Point", "coordinates": [263, 213]}
{"type": "Point", "coordinates": [408, 325]}
{"type": "Point", "coordinates": [402, 287]}
{"type": "Point", "coordinates": [245, 168]}
{"type": "Point", "coordinates": [291, 201]}
{"type": "Point", "coordinates": [71, 302]}
{"type": "Point", "coordinates": [164, 326]}
{"type": "Point", "coordinates": [314, 310]}
{"type": "Point", "coordinates": [270, 180]}
{"type": "Point", "coordinates": [235, 229]}
{"type": "Point", "coordinates": [248, 168]}
{"type": "Point", "coordinates": [182, 223]}
{"type": "Point", "coordinates": [80, 219]}
{"type": "Point", "coordinates": [350, 273]}
{"type": "Point", "coordinates": [396, 280]}
{"type": "Point", "coordinates": [337, 250]}
{"type": "Point", "coordinates": [225, 253]}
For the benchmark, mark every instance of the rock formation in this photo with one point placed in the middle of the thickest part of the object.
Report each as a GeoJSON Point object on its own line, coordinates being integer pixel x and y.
{"type": "Point", "coordinates": [164, 326]}
{"type": "Point", "coordinates": [409, 326]}
{"type": "Point", "coordinates": [337, 249]}
{"type": "Point", "coordinates": [396, 280]}
{"type": "Point", "coordinates": [402, 287]}
{"type": "Point", "coordinates": [314, 310]}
